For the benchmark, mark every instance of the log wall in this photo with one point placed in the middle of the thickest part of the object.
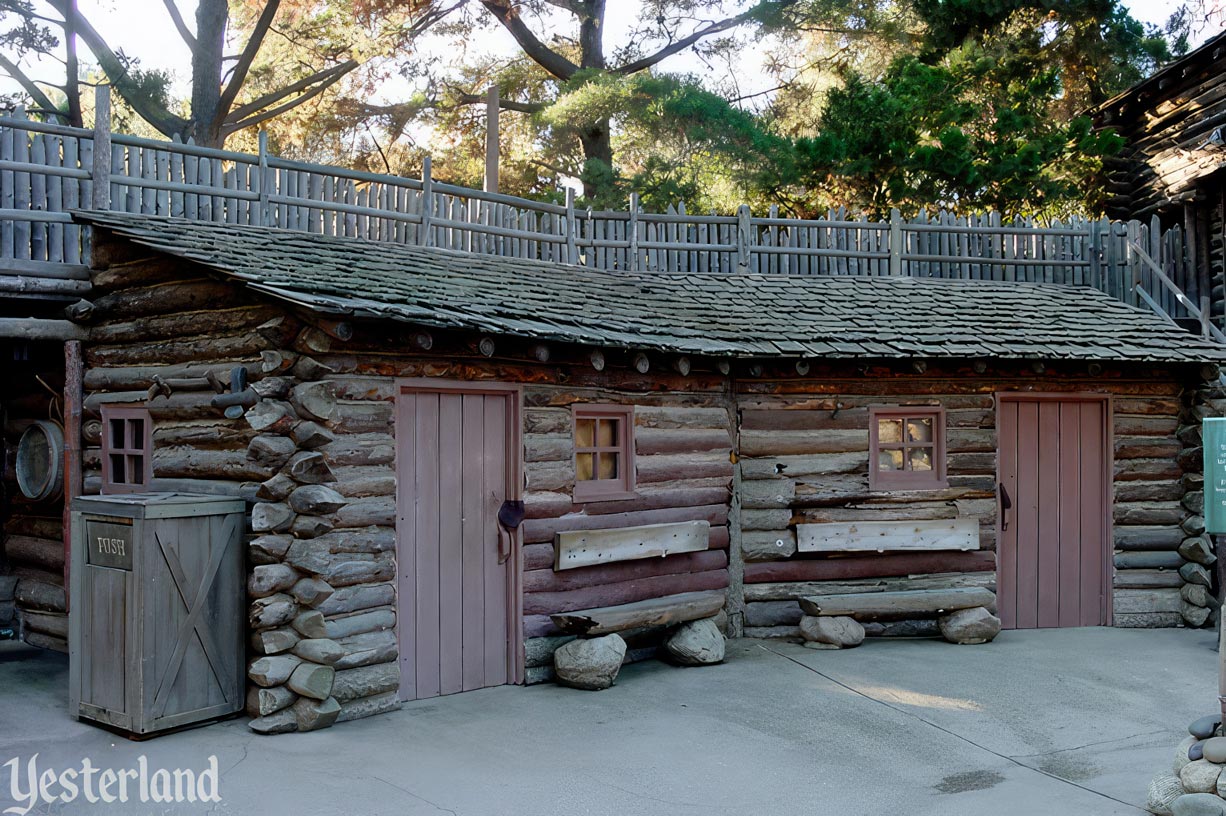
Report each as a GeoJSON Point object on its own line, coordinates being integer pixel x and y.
{"type": "Point", "coordinates": [32, 597]}
{"type": "Point", "coordinates": [804, 454]}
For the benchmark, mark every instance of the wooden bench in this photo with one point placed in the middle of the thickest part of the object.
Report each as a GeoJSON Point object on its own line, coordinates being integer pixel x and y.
{"type": "Point", "coordinates": [871, 607]}
{"type": "Point", "coordinates": [667, 611]}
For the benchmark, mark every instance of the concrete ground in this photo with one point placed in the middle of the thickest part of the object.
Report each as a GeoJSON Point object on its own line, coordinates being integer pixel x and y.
{"type": "Point", "coordinates": [1071, 721]}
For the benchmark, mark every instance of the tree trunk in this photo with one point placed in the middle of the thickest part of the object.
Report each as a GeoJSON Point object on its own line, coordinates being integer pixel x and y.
{"type": "Point", "coordinates": [72, 80]}
{"type": "Point", "coordinates": [597, 159]}
{"type": "Point", "coordinates": [211, 18]}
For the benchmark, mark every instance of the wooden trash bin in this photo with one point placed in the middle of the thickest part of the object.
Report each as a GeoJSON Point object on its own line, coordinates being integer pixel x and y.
{"type": "Point", "coordinates": [155, 630]}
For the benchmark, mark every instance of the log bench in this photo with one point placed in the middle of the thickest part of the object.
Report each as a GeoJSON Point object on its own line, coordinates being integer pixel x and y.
{"type": "Point", "coordinates": [965, 614]}
{"type": "Point", "coordinates": [667, 611]}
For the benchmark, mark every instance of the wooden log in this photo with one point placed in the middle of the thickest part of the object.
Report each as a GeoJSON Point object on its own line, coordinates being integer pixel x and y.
{"type": "Point", "coordinates": [649, 441]}
{"type": "Point", "coordinates": [537, 530]}
{"type": "Point", "coordinates": [942, 534]}
{"type": "Point", "coordinates": [122, 378]}
{"type": "Point", "coordinates": [795, 590]}
{"type": "Point", "coordinates": [41, 595]}
{"type": "Point", "coordinates": [878, 605]}
{"type": "Point", "coordinates": [360, 449]}
{"type": "Point", "coordinates": [791, 467]}
{"type": "Point", "coordinates": [310, 467]}
{"type": "Point", "coordinates": [182, 324]}
{"type": "Point", "coordinates": [166, 298]}
{"type": "Point", "coordinates": [677, 417]}
{"type": "Point", "coordinates": [191, 463]}
{"type": "Point", "coordinates": [1148, 560]}
{"type": "Point", "coordinates": [34, 328]}
{"type": "Point", "coordinates": [783, 443]}
{"type": "Point", "coordinates": [765, 494]}
{"type": "Point", "coordinates": [665, 611]}
{"type": "Point", "coordinates": [767, 545]}
{"type": "Point", "coordinates": [1147, 579]}
{"type": "Point", "coordinates": [1135, 601]}
{"type": "Point", "coordinates": [314, 400]}
{"type": "Point", "coordinates": [873, 566]}
{"type": "Point", "coordinates": [54, 624]}
{"type": "Point", "coordinates": [622, 592]}
{"type": "Point", "coordinates": [41, 552]}
{"type": "Point", "coordinates": [546, 580]}
{"type": "Point", "coordinates": [773, 613]}
{"type": "Point", "coordinates": [195, 349]}
{"type": "Point", "coordinates": [586, 548]}
{"type": "Point", "coordinates": [1148, 513]}
{"type": "Point", "coordinates": [1148, 538]}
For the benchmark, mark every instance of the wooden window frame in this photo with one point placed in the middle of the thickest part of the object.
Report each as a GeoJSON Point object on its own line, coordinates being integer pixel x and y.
{"type": "Point", "coordinates": [131, 450]}
{"type": "Point", "coordinates": [592, 490]}
{"type": "Point", "coordinates": [935, 479]}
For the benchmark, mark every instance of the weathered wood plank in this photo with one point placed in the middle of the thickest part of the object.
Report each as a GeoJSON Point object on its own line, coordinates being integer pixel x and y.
{"type": "Point", "coordinates": [941, 534]}
{"type": "Point", "coordinates": [654, 612]}
{"type": "Point", "coordinates": [874, 566]}
{"type": "Point", "coordinates": [586, 548]}
{"type": "Point", "coordinates": [875, 605]}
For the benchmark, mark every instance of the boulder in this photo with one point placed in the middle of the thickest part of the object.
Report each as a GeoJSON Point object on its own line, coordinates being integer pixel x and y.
{"type": "Point", "coordinates": [1196, 594]}
{"type": "Point", "coordinates": [1198, 804]}
{"type": "Point", "coordinates": [1194, 616]}
{"type": "Point", "coordinates": [1205, 726]}
{"type": "Point", "coordinates": [1163, 790]}
{"type": "Point", "coordinates": [1196, 574]}
{"type": "Point", "coordinates": [1214, 749]}
{"type": "Point", "coordinates": [1181, 753]}
{"type": "Point", "coordinates": [312, 680]}
{"type": "Point", "coordinates": [313, 715]}
{"type": "Point", "coordinates": [591, 663]}
{"type": "Point", "coordinates": [538, 651]}
{"type": "Point", "coordinates": [1197, 751]}
{"type": "Point", "coordinates": [836, 631]}
{"type": "Point", "coordinates": [1200, 776]}
{"type": "Point", "coordinates": [969, 626]}
{"type": "Point", "coordinates": [319, 650]}
{"type": "Point", "coordinates": [697, 643]}
{"type": "Point", "coordinates": [1197, 549]}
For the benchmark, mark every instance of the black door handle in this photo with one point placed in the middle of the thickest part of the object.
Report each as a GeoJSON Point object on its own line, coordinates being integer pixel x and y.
{"type": "Point", "coordinates": [1006, 504]}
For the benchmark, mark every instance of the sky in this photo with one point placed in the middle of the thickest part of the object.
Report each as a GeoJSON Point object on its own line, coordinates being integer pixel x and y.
{"type": "Point", "coordinates": [142, 28]}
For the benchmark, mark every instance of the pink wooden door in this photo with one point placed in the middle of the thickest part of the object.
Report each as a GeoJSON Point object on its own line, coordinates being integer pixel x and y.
{"type": "Point", "coordinates": [455, 467]}
{"type": "Point", "coordinates": [1053, 542]}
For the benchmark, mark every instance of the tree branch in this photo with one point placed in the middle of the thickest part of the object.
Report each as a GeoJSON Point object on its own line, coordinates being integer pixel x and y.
{"type": "Point", "coordinates": [293, 103]}
{"type": "Point", "coordinates": [328, 76]}
{"type": "Point", "coordinates": [504, 104]}
{"type": "Point", "coordinates": [541, 54]}
{"type": "Point", "coordinates": [163, 120]}
{"type": "Point", "coordinates": [685, 42]}
{"type": "Point", "coordinates": [180, 23]}
{"type": "Point", "coordinates": [239, 73]}
{"type": "Point", "coordinates": [30, 87]}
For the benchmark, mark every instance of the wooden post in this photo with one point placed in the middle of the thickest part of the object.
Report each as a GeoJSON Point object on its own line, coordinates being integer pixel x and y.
{"type": "Point", "coordinates": [491, 140]}
{"type": "Point", "coordinates": [895, 241]}
{"type": "Point", "coordinates": [101, 171]}
{"type": "Point", "coordinates": [265, 214]}
{"type": "Point", "coordinates": [743, 227]}
{"type": "Point", "coordinates": [632, 232]}
{"type": "Point", "coordinates": [572, 250]}
{"type": "Point", "coordinates": [1204, 316]}
{"type": "Point", "coordinates": [424, 238]}
{"type": "Point", "coordinates": [73, 397]}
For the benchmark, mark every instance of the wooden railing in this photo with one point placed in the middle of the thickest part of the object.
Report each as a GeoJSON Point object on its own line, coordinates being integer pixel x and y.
{"type": "Point", "coordinates": [46, 170]}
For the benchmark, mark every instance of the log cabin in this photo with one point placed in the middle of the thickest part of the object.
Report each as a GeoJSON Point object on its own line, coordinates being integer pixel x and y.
{"type": "Point", "coordinates": [1173, 163]}
{"type": "Point", "coordinates": [453, 463]}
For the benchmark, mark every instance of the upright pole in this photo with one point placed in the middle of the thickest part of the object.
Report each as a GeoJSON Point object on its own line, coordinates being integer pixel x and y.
{"type": "Point", "coordinates": [424, 238]}
{"type": "Point", "coordinates": [743, 227]}
{"type": "Point", "coordinates": [100, 173]}
{"type": "Point", "coordinates": [895, 242]}
{"type": "Point", "coordinates": [633, 232]}
{"type": "Point", "coordinates": [73, 396]}
{"type": "Point", "coordinates": [265, 214]}
{"type": "Point", "coordinates": [491, 140]}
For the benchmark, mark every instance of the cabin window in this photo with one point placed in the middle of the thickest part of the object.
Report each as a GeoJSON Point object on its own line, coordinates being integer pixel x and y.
{"type": "Point", "coordinates": [127, 445]}
{"type": "Point", "coordinates": [604, 452]}
{"type": "Point", "coordinates": [907, 448]}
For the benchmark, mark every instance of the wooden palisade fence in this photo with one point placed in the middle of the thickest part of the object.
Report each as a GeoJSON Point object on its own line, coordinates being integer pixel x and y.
{"type": "Point", "coordinates": [47, 169]}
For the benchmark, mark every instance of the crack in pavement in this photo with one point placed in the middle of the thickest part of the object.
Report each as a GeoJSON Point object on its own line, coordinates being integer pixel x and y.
{"type": "Point", "coordinates": [1155, 733]}
{"type": "Point", "coordinates": [953, 734]}
{"type": "Point", "coordinates": [415, 796]}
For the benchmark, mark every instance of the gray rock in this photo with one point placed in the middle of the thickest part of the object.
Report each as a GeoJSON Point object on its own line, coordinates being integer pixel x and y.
{"type": "Point", "coordinates": [282, 722]}
{"type": "Point", "coordinates": [1163, 790]}
{"type": "Point", "coordinates": [264, 701]}
{"type": "Point", "coordinates": [313, 715]}
{"type": "Point", "coordinates": [310, 624]}
{"type": "Point", "coordinates": [276, 488]}
{"type": "Point", "coordinates": [267, 579]}
{"type": "Point", "coordinates": [1195, 574]}
{"type": "Point", "coordinates": [1181, 753]}
{"type": "Point", "coordinates": [1197, 751]}
{"type": "Point", "coordinates": [1198, 549]}
{"type": "Point", "coordinates": [834, 630]}
{"type": "Point", "coordinates": [538, 651]}
{"type": "Point", "coordinates": [312, 680]}
{"type": "Point", "coordinates": [1194, 616]}
{"type": "Point", "coordinates": [271, 517]}
{"type": "Point", "coordinates": [539, 674]}
{"type": "Point", "coordinates": [310, 435]}
{"type": "Point", "coordinates": [310, 555]}
{"type": "Point", "coordinates": [319, 650]}
{"type": "Point", "coordinates": [272, 671]}
{"type": "Point", "coordinates": [1205, 726]}
{"type": "Point", "coordinates": [316, 499]}
{"type": "Point", "coordinates": [269, 549]}
{"type": "Point", "coordinates": [271, 451]}
{"type": "Point", "coordinates": [697, 643]}
{"type": "Point", "coordinates": [1214, 749]}
{"type": "Point", "coordinates": [310, 526]}
{"type": "Point", "coordinates": [591, 663]}
{"type": "Point", "coordinates": [968, 626]}
{"type": "Point", "coordinates": [1200, 776]}
{"type": "Point", "coordinates": [1198, 804]}
{"type": "Point", "coordinates": [272, 611]}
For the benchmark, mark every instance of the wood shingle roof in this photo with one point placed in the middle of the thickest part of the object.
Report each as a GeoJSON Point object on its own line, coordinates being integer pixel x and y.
{"type": "Point", "coordinates": [724, 315]}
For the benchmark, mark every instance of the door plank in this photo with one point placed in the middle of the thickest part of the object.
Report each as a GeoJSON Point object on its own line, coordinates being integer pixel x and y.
{"type": "Point", "coordinates": [1006, 556]}
{"type": "Point", "coordinates": [473, 544]}
{"type": "Point", "coordinates": [451, 556]}
{"type": "Point", "coordinates": [1071, 511]}
{"type": "Point", "coordinates": [1027, 504]}
{"type": "Point", "coordinates": [1047, 568]}
{"type": "Point", "coordinates": [495, 574]}
{"type": "Point", "coordinates": [406, 557]}
{"type": "Point", "coordinates": [427, 563]}
{"type": "Point", "coordinates": [1094, 578]}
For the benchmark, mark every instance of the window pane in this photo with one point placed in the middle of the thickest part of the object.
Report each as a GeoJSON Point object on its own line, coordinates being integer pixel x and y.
{"type": "Point", "coordinates": [919, 430]}
{"type": "Point", "coordinates": [136, 433]}
{"type": "Point", "coordinates": [585, 433]}
{"type": "Point", "coordinates": [921, 458]}
{"type": "Point", "coordinates": [136, 469]}
{"type": "Point", "coordinates": [606, 433]}
{"type": "Point", "coordinates": [117, 474]}
{"type": "Point", "coordinates": [889, 460]}
{"type": "Point", "coordinates": [889, 430]}
{"type": "Point", "coordinates": [608, 465]}
{"type": "Point", "coordinates": [583, 467]}
{"type": "Point", "coordinates": [116, 440]}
